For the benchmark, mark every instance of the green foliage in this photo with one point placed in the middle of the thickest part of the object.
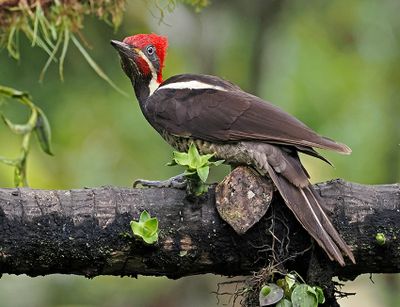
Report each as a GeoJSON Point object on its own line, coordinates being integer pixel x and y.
{"type": "Point", "coordinates": [306, 296]}
{"type": "Point", "coordinates": [284, 303]}
{"type": "Point", "coordinates": [170, 5]}
{"type": "Point", "coordinates": [197, 4]}
{"type": "Point", "coordinates": [266, 290]}
{"type": "Point", "coordinates": [380, 238]}
{"type": "Point", "coordinates": [289, 291]}
{"type": "Point", "coordinates": [146, 228]}
{"type": "Point", "coordinates": [51, 27]}
{"type": "Point", "coordinates": [37, 124]}
{"type": "Point", "coordinates": [270, 294]}
{"type": "Point", "coordinates": [197, 167]}
{"type": "Point", "coordinates": [324, 65]}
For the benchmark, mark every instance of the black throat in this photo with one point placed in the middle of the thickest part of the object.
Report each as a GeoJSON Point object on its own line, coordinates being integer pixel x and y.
{"type": "Point", "coordinates": [142, 90]}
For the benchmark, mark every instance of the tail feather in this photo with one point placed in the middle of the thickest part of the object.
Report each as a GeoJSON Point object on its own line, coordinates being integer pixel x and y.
{"type": "Point", "coordinates": [328, 224]}
{"type": "Point", "coordinates": [305, 204]}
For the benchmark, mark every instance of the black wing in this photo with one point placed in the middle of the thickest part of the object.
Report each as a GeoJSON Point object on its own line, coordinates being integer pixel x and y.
{"type": "Point", "coordinates": [228, 114]}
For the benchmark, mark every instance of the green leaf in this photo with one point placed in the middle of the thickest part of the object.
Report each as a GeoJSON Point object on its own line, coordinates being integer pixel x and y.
{"type": "Point", "coordinates": [217, 163]}
{"type": "Point", "coordinates": [49, 60]}
{"type": "Point", "coordinates": [265, 290]}
{"type": "Point", "coordinates": [150, 227]}
{"type": "Point", "coordinates": [94, 65]}
{"type": "Point", "coordinates": [194, 156]}
{"type": "Point", "coordinates": [152, 239]}
{"type": "Point", "coordinates": [284, 303]}
{"type": "Point", "coordinates": [172, 163]}
{"type": "Point", "coordinates": [302, 297]}
{"type": "Point", "coordinates": [201, 189]}
{"type": "Point", "coordinates": [10, 162]}
{"type": "Point", "coordinates": [203, 173]}
{"type": "Point", "coordinates": [197, 168]}
{"type": "Point", "coordinates": [273, 294]}
{"type": "Point", "coordinates": [16, 128]}
{"type": "Point", "coordinates": [319, 294]}
{"type": "Point", "coordinates": [204, 159]}
{"type": "Point", "coordinates": [10, 92]}
{"type": "Point", "coordinates": [39, 42]}
{"type": "Point", "coordinates": [189, 172]}
{"type": "Point", "coordinates": [281, 283]}
{"type": "Point", "coordinates": [290, 280]}
{"type": "Point", "coordinates": [146, 228]}
{"type": "Point", "coordinates": [43, 132]}
{"type": "Point", "coordinates": [137, 228]}
{"type": "Point", "coordinates": [144, 216]}
{"type": "Point", "coordinates": [181, 158]}
{"type": "Point", "coordinates": [380, 238]}
{"type": "Point", "coordinates": [12, 42]}
{"type": "Point", "coordinates": [65, 36]}
{"type": "Point", "coordinates": [36, 25]}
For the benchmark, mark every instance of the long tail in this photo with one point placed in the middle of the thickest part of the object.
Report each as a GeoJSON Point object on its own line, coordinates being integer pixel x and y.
{"type": "Point", "coordinates": [304, 202]}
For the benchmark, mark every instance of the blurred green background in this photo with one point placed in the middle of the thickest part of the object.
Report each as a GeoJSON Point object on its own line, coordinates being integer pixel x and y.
{"type": "Point", "coordinates": [333, 64]}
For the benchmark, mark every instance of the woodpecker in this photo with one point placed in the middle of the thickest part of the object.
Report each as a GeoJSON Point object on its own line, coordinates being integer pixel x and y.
{"type": "Point", "coordinates": [222, 119]}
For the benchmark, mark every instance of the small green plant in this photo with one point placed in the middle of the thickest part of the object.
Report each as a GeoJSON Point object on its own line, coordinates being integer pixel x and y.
{"type": "Point", "coordinates": [380, 238]}
{"type": "Point", "coordinates": [289, 291]}
{"type": "Point", "coordinates": [36, 124]}
{"type": "Point", "coordinates": [146, 228]}
{"type": "Point", "coordinates": [197, 168]}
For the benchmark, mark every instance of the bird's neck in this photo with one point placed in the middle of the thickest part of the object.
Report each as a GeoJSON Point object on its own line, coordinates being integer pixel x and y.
{"type": "Point", "coordinates": [145, 87]}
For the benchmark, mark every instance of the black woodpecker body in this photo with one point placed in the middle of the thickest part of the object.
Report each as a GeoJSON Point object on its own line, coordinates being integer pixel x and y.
{"type": "Point", "coordinates": [236, 126]}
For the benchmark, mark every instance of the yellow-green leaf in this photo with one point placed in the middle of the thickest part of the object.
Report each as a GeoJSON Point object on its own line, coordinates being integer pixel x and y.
{"type": "Point", "coordinates": [144, 216]}
{"type": "Point", "coordinates": [181, 158]}
{"type": "Point", "coordinates": [10, 162]}
{"type": "Point", "coordinates": [203, 173]}
{"type": "Point", "coordinates": [150, 227]}
{"type": "Point", "coordinates": [94, 65]}
{"type": "Point", "coordinates": [302, 297]}
{"type": "Point", "coordinates": [284, 303]}
{"type": "Point", "coordinates": [17, 128]}
{"type": "Point", "coordinates": [270, 294]}
{"type": "Point", "coordinates": [43, 132]}
{"type": "Point", "coordinates": [194, 156]}
{"type": "Point", "coordinates": [146, 228]}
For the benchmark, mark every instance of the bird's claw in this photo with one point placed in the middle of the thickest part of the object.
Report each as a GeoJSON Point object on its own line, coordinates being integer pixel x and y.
{"type": "Point", "coordinates": [177, 182]}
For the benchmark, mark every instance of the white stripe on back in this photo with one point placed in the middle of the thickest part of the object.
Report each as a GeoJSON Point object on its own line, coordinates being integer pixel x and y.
{"type": "Point", "coordinates": [191, 85]}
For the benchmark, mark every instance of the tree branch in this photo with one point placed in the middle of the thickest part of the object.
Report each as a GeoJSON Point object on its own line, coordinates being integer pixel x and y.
{"type": "Point", "coordinates": [82, 232]}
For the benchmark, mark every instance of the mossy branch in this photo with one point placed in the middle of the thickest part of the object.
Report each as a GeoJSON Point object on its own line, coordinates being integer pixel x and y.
{"type": "Point", "coordinates": [81, 232]}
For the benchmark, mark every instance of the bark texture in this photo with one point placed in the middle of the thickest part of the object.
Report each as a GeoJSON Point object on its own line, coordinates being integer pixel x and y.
{"type": "Point", "coordinates": [84, 232]}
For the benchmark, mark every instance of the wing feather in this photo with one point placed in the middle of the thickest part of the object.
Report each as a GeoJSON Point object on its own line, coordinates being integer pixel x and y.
{"type": "Point", "coordinates": [228, 115]}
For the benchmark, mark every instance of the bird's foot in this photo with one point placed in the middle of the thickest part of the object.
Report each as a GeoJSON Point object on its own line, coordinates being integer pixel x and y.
{"type": "Point", "coordinates": [177, 182]}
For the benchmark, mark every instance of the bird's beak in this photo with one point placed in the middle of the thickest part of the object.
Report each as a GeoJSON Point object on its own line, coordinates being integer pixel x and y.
{"type": "Point", "coordinates": [122, 48]}
{"type": "Point", "coordinates": [128, 54]}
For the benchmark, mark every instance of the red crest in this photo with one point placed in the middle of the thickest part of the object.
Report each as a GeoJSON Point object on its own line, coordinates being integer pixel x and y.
{"type": "Point", "coordinates": [142, 40]}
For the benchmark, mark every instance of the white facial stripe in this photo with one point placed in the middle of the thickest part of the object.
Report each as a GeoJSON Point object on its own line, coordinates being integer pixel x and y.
{"type": "Point", "coordinates": [153, 85]}
{"type": "Point", "coordinates": [191, 85]}
{"type": "Point", "coordinates": [153, 71]}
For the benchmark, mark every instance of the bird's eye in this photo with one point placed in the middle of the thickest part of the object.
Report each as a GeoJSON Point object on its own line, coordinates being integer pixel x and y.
{"type": "Point", "coordinates": [150, 50]}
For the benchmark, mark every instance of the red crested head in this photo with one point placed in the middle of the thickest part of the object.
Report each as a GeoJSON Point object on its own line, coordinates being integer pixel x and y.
{"type": "Point", "coordinates": [142, 59]}
{"type": "Point", "coordinates": [143, 41]}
